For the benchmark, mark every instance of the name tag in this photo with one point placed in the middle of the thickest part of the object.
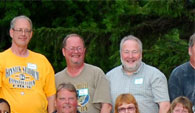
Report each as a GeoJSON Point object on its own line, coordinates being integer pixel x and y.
{"type": "Point", "coordinates": [139, 81]}
{"type": "Point", "coordinates": [83, 92]}
{"type": "Point", "coordinates": [32, 66]}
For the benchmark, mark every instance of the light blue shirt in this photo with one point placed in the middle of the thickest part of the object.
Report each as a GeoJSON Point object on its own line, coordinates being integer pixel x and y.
{"type": "Point", "coordinates": [148, 85]}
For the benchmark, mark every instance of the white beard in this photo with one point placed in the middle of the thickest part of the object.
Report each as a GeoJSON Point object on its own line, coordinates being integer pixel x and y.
{"type": "Point", "coordinates": [131, 68]}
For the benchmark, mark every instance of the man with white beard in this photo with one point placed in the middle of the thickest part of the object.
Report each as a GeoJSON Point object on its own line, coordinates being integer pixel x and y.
{"type": "Point", "coordinates": [147, 84]}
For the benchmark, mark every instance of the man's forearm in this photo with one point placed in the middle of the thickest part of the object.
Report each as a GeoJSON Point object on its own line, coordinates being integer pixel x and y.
{"type": "Point", "coordinates": [51, 106]}
{"type": "Point", "coordinates": [106, 108]}
{"type": "Point", "coordinates": [164, 107]}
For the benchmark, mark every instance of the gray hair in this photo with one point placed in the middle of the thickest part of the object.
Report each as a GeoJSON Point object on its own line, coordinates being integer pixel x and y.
{"type": "Point", "coordinates": [192, 40]}
{"type": "Point", "coordinates": [131, 37]}
{"type": "Point", "coordinates": [12, 24]}
{"type": "Point", "coordinates": [68, 86]}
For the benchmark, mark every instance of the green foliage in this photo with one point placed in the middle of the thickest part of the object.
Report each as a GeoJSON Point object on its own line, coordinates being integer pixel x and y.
{"type": "Point", "coordinates": [163, 26]}
{"type": "Point", "coordinates": [48, 41]}
{"type": "Point", "coordinates": [171, 8]}
{"type": "Point", "coordinates": [168, 52]}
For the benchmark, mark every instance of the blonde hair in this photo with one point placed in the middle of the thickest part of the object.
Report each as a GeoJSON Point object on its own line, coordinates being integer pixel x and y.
{"type": "Point", "coordinates": [181, 100]}
{"type": "Point", "coordinates": [125, 98]}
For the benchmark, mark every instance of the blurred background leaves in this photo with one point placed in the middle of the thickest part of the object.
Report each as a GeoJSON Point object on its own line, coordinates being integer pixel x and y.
{"type": "Point", "coordinates": [164, 27]}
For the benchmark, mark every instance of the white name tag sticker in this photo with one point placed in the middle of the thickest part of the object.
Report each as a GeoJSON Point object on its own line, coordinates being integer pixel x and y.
{"type": "Point", "coordinates": [32, 66]}
{"type": "Point", "coordinates": [83, 92]}
{"type": "Point", "coordinates": [139, 81]}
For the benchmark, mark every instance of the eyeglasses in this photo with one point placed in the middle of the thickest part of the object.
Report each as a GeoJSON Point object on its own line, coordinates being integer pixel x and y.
{"type": "Point", "coordinates": [180, 111]}
{"type": "Point", "coordinates": [73, 49]}
{"type": "Point", "coordinates": [4, 111]}
{"type": "Point", "coordinates": [128, 109]}
{"type": "Point", "coordinates": [26, 31]}
{"type": "Point", "coordinates": [132, 52]}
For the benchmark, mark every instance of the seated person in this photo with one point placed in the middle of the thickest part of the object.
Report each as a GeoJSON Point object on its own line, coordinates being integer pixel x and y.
{"type": "Point", "coordinates": [126, 103]}
{"type": "Point", "coordinates": [4, 106]}
{"type": "Point", "coordinates": [66, 99]}
{"type": "Point", "coordinates": [181, 104]}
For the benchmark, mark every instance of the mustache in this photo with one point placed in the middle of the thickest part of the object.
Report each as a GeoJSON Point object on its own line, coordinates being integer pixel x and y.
{"type": "Point", "coordinates": [67, 106]}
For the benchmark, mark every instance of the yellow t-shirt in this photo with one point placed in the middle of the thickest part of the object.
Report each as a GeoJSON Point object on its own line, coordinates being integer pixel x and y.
{"type": "Point", "coordinates": [26, 82]}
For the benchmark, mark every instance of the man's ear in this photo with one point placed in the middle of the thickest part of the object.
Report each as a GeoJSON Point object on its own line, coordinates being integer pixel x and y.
{"type": "Point", "coordinates": [11, 33]}
{"type": "Point", "coordinates": [31, 34]}
{"type": "Point", "coordinates": [55, 104]}
{"type": "Point", "coordinates": [63, 51]}
{"type": "Point", "coordinates": [190, 51]}
{"type": "Point", "coordinates": [84, 50]}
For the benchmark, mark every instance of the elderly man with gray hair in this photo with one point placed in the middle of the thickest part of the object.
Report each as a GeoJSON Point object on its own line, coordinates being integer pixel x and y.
{"type": "Point", "coordinates": [147, 84]}
{"type": "Point", "coordinates": [27, 78]}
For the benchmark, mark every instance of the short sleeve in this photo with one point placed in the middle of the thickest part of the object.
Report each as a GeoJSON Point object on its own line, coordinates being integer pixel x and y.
{"type": "Point", "coordinates": [1, 74]}
{"type": "Point", "coordinates": [1, 70]}
{"type": "Point", "coordinates": [102, 91]}
{"type": "Point", "coordinates": [49, 87]}
{"type": "Point", "coordinates": [160, 87]}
